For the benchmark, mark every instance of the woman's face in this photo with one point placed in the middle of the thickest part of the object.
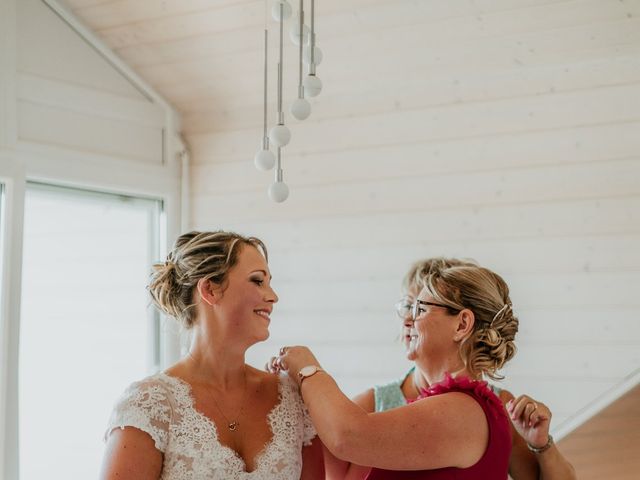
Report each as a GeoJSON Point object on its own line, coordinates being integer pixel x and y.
{"type": "Point", "coordinates": [247, 302]}
{"type": "Point", "coordinates": [407, 322]}
{"type": "Point", "coordinates": [431, 333]}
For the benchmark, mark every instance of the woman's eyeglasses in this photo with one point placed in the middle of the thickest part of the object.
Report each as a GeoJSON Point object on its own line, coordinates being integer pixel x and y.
{"type": "Point", "coordinates": [407, 307]}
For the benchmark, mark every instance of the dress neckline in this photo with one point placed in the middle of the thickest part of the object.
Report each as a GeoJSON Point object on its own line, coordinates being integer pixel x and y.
{"type": "Point", "coordinates": [262, 454]}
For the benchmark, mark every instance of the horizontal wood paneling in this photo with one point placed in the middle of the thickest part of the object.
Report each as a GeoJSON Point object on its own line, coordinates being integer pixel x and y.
{"type": "Point", "coordinates": [47, 47]}
{"type": "Point", "coordinates": [229, 76]}
{"type": "Point", "coordinates": [365, 163]}
{"type": "Point", "coordinates": [510, 116]}
{"type": "Point", "coordinates": [420, 91]}
{"type": "Point", "coordinates": [594, 180]}
{"type": "Point", "coordinates": [203, 35]}
{"type": "Point", "coordinates": [199, 18]}
{"type": "Point", "coordinates": [571, 218]}
{"type": "Point", "coordinates": [57, 94]}
{"type": "Point", "coordinates": [58, 127]}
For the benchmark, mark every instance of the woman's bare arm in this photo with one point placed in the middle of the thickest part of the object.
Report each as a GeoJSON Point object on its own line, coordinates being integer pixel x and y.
{"type": "Point", "coordinates": [131, 454]}
{"type": "Point", "coordinates": [395, 439]}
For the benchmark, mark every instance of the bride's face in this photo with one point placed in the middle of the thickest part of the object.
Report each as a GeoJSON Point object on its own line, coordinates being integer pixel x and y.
{"type": "Point", "coordinates": [247, 301]}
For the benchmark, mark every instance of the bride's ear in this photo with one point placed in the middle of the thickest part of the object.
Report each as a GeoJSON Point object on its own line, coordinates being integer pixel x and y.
{"type": "Point", "coordinates": [208, 291]}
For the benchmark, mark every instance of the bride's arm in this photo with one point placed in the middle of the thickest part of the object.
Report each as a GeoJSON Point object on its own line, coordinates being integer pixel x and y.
{"type": "Point", "coordinates": [131, 454]}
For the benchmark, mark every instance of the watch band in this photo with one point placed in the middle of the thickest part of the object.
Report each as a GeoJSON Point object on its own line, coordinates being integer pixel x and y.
{"type": "Point", "coordinates": [542, 449]}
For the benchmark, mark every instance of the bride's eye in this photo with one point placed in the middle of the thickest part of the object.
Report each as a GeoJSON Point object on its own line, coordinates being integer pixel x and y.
{"type": "Point", "coordinates": [257, 281]}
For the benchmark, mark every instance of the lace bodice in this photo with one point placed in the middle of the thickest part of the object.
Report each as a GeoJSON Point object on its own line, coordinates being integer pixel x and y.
{"type": "Point", "coordinates": [163, 406]}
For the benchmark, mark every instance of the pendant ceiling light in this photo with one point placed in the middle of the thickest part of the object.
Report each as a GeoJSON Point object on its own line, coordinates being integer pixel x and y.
{"type": "Point", "coordinates": [308, 86]}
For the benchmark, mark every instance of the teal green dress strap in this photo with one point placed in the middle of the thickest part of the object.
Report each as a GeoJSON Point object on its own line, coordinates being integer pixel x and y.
{"type": "Point", "coordinates": [390, 395]}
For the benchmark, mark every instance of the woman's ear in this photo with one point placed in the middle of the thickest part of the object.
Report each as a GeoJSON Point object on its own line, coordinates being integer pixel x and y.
{"type": "Point", "coordinates": [207, 291]}
{"type": "Point", "coordinates": [464, 327]}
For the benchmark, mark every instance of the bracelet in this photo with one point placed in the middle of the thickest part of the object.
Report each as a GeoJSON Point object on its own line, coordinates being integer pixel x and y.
{"type": "Point", "coordinates": [542, 449]}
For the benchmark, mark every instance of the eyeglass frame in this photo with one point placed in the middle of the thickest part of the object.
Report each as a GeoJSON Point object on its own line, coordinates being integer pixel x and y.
{"type": "Point", "coordinates": [417, 311]}
{"type": "Point", "coordinates": [414, 310]}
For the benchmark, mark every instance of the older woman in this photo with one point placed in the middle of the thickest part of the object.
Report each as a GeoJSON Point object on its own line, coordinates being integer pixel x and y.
{"type": "Point", "coordinates": [533, 455]}
{"type": "Point", "coordinates": [464, 326]}
{"type": "Point", "coordinates": [212, 416]}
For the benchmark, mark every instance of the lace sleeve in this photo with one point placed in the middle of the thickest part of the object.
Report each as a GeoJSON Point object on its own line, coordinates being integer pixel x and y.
{"type": "Point", "coordinates": [144, 405]}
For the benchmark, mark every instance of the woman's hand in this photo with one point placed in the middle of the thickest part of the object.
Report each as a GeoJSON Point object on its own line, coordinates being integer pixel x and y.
{"type": "Point", "coordinates": [292, 360]}
{"type": "Point", "coordinates": [531, 419]}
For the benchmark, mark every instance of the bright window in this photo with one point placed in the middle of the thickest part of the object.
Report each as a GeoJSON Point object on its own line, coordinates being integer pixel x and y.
{"type": "Point", "coordinates": [86, 326]}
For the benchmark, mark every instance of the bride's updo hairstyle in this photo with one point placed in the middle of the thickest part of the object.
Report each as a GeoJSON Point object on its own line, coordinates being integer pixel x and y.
{"type": "Point", "coordinates": [486, 294]}
{"type": "Point", "coordinates": [195, 255]}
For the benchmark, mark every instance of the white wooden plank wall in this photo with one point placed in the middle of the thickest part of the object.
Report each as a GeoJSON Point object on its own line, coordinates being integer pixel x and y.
{"type": "Point", "coordinates": [504, 131]}
{"type": "Point", "coordinates": [70, 97]}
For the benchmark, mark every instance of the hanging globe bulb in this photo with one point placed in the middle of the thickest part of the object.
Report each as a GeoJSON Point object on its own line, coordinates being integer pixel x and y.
{"type": "Point", "coordinates": [280, 135]}
{"type": "Point", "coordinates": [264, 160]}
{"type": "Point", "coordinates": [286, 10]}
{"type": "Point", "coordinates": [306, 55]}
{"type": "Point", "coordinates": [301, 109]}
{"type": "Point", "coordinates": [278, 192]}
{"type": "Point", "coordinates": [312, 86]}
{"type": "Point", "coordinates": [294, 34]}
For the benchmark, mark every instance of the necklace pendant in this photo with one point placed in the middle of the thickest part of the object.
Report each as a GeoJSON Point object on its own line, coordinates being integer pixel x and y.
{"type": "Point", "coordinates": [233, 426]}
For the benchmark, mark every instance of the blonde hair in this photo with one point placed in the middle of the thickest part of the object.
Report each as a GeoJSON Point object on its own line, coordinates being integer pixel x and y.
{"type": "Point", "coordinates": [422, 268]}
{"type": "Point", "coordinates": [195, 255]}
{"type": "Point", "coordinates": [486, 294]}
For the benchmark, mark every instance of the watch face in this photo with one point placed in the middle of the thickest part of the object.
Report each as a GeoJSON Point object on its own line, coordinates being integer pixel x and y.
{"type": "Point", "coordinates": [308, 370]}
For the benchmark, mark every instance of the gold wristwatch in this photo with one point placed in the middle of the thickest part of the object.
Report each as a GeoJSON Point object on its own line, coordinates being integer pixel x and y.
{"type": "Point", "coordinates": [308, 371]}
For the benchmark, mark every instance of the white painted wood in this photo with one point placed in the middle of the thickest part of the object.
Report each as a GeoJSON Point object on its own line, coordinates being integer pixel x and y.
{"type": "Point", "coordinates": [8, 127]}
{"type": "Point", "coordinates": [44, 40]}
{"type": "Point", "coordinates": [12, 177]}
{"type": "Point", "coordinates": [572, 218]}
{"type": "Point", "coordinates": [65, 96]}
{"type": "Point", "coordinates": [236, 73]}
{"type": "Point", "coordinates": [444, 20]}
{"type": "Point", "coordinates": [546, 184]}
{"type": "Point", "coordinates": [423, 91]}
{"type": "Point", "coordinates": [53, 126]}
{"type": "Point", "coordinates": [367, 163]}
{"type": "Point", "coordinates": [510, 116]}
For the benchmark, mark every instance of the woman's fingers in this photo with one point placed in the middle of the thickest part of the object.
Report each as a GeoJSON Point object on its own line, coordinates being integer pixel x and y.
{"type": "Point", "coordinates": [527, 411]}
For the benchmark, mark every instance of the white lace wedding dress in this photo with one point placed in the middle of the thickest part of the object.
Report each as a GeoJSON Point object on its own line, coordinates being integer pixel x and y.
{"type": "Point", "coordinates": [163, 406]}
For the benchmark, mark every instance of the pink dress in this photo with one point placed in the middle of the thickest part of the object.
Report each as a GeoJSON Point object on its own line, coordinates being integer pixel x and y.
{"type": "Point", "coordinates": [494, 464]}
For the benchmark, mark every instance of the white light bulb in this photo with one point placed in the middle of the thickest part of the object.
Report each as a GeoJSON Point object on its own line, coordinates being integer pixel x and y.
{"type": "Point", "coordinates": [294, 33]}
{"type": "Point", "coordinates": [312, 86]}
{"type": "Point", "coordinates": [286, 10]}
{"type": "Point", "coordinates": [306, 55]}
{"type": "Point", "coordinates": [280, 135]}
{"type": "Point", "coordinates": [301, 109]}
{"type": "Point", "coordinates": [264, 160]}
{"type": "Point", "coordinates": [278, 192]}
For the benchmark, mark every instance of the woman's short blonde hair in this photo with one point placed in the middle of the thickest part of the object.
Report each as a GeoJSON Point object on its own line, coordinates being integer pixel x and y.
{"type": "Point", "coordinates": [195, 255]}
{"type": "Point", "coordinates": [462, 285]}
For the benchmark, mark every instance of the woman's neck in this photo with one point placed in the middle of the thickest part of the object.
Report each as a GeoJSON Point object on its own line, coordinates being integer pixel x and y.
{"type": "Point", "coordinates": [216, 365]}
{"type": "Point", "coordinates": [432, 372]}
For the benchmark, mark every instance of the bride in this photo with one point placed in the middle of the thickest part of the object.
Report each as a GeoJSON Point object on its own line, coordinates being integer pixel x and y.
{"type": "Point", "coordinates": [212, 416]}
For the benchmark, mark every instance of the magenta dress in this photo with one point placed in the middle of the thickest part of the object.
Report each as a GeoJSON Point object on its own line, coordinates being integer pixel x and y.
{"type": "Point", "coordinates": [494, 464]}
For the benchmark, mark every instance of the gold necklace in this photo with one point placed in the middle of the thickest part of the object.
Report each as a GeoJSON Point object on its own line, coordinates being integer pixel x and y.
{"type": "Point", "coordinates": [233, 425]}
